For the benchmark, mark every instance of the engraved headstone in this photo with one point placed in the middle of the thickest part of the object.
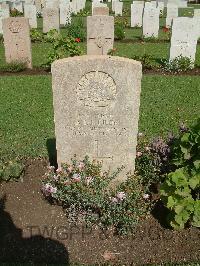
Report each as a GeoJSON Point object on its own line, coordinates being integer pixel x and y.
{"type": "Point", "coordinates": [16, 33]}
{"type": "Point", "coordinates": [100, 11]}
{"type": "Point", "coordinates": [184, 38]}
{"type": "Point", "coordinates": [100, 118]}
{"type": "Point", "coordinates": [172, 12]}
{"type": "Point", "coordinates": [150, 21]}
{"type": "Point", "coordinates": [100, 34]}
{"type": "Point", "coordinates": [4, 13]}
{"type": "Point", "coordinates": [50, 19]}
{"type": "Point", "coordinates": [136, 13]}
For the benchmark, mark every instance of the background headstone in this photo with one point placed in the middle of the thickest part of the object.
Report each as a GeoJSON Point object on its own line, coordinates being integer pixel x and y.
{"type": "Point", "coordinates": [137, 9]}
{"type": "Point", "coordinates": [150, 21]}
{"type": "Point", "coordinates": [50, 19]}
{"type": "Point", "coordinates": [100, 34]}
{"type": "Point", "coordinates": [100, 118]}
{"type": "Point", "coordinates": [184, 38]}
{"type": "Point", "coordinates": [16, 33]}
{"type": "Point", "coordinates": [172, 12]}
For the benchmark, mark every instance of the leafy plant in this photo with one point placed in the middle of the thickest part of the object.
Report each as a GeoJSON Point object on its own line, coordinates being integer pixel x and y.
{"type": "Point", "coordinates": [181, 190]}
{"type": "Point", "coordinates": [76, 29]}
{"type": "Point", "coordinates": [145, 59]}
{"type": "Point", "coordinates": [11, 170]}
{"type": "Point", "coordinates": [14, 67]}
{"type": "Point", "coordinates": [61, 48]}
{"type": "Point", "coordinates": [52, 36]}
{"type": "Point", "coordinates": [119, 32]}
{"type": "Point", "coordinates": [36, 35]}
{"type": "Point", "coordinates": [87, 195]}
{"type": "Point", "coordinates": [179, 64]}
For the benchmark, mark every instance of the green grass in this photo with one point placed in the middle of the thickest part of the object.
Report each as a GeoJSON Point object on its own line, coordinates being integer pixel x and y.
{"type": "Point", "coordinates": [27, 120]}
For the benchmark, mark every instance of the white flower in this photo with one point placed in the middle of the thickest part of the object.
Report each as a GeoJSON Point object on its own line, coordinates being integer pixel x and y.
{"type": "Point", "coordinates": [121, 196]}
{"type": "Point", "coordinates": [146, 196]}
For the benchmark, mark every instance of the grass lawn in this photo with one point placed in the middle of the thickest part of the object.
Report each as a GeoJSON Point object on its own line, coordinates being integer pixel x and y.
{"type": "Point", "coordinates": [27, 120]}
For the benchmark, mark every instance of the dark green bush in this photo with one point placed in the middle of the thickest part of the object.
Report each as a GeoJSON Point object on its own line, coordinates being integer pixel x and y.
{"type": "Point", "coordinates": [11, 170]}
{"type": "Point", "coordinates": [119, 32]}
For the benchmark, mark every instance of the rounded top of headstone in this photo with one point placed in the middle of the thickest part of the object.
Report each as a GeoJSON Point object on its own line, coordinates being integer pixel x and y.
{"type": "Point", "coordinates": [95, 58]}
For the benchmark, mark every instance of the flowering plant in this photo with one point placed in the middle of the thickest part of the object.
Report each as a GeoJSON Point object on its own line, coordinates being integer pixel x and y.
{"type": "Point", "coordinates": [87, 195]}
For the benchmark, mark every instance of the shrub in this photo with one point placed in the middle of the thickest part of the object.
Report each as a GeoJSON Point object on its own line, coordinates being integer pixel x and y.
{"type": "Point", "coordinates": [179, 64]}
{"type": "Point", "coordinates": [52, 36]}
{"type": "Point", "coordinates": [119, 32]}
{"type": "Point", "coordinates": [36, 35]}
{"type": "Point", "coordinates": [145, 59]}
{"type": "Point", "coordinates": [87, 195]}
{"type": "Point", "coordinates": [14, 66]}
{"type": "Point", "coordinates": [11, 170]}
{"type": "Point", "coordinates": [61, 48]}
{"type": "Point", "coordinates": [181, 190]}
{"type": "Point", "coordinates": [77, 30]}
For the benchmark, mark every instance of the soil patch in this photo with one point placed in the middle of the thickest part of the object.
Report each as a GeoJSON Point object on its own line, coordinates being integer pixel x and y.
{"type": "Point", "coordinates": [33, 230]}
{"type": "Point", "coordinates": [27, 72]}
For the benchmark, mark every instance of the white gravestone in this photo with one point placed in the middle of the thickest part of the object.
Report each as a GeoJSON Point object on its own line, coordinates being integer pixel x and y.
{"type": "Point", "coordinates": [150, 21]}
{"type": "Point", "coordinates": [184, 38]}
{"type": "Point", "coordinates": [51, 19]}
{"type": "Point", "coordinates": [30, 12]}
{"type": "Point", "coordinates": [118, 8]}
{"type": "Point", "coordinates": [100, 118]}
{"type": "Point", "coordinates": [100, 34]}
{"type": "Point", "coordinates": [172, 12]}
{"type": "Point", "coordinates": [137, 9]}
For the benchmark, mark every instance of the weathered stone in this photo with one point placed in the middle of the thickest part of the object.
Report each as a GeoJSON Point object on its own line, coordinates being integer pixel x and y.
{"type": "Point", "coordinates": [137, 9]}
{"type": "Point", "coordinates": [118, 8]}
{"type": "Point", "coordinates": [100, 34]}
{"type": "Point", "coordinates": [16, 33]}
{"type": "Point", "coordinates": [100, 11]}
{"type": "Point", "coordinates": [96, 106]}
{"type": "Point", "coordinates": [172, 12]}
{"type": "Point", "coordinates": [4, 13]}
{"type": "Point", "coordinates": [184, 38]}
{"type": "Point", "coordinates": [50, 19]}
{"type": "Point", "coordinates": [150, 21]}
{"type": "Point", "coordinates": [65, 14]}
{"type": "Point", "coordinates": [30, 12]}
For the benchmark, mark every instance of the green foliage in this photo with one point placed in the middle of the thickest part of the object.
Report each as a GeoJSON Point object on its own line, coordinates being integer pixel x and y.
{"type": "Point", "coordinates": [87, 195]}
{"type": "Point", "coordinates": [61, 47]}
{"type": "Point", "coordinates": [52, 36]}
{"type": "Point", "coordinates": [119, 32]}
{"type": "Point", "coordinates": [177, 65]}
{"type": "Point", "coordinates": [36, 35]}
{"type": "Point", "coordinates": [181, 190]}
{"type": "Point", "coordinates": [15, 13]}
{"type": "Point", "coordinates": [145, 59]}
{"type": "Point", "coordinates": [11, 170]}
{"type": "Point", "coordinates": [14, 67]}
{"type": "Point", "coordinates": [76, 29]}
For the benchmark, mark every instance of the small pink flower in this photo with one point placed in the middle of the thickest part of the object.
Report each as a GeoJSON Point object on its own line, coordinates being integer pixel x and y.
{"type": "Point", "coordinates": [59, 170]}
{"type": "Point", "coordinates": [51, 168]}
{"type": "Point", "coordinates": [48, 189]}
{"type": "Point", "coordinates": [88, 180]}
{"type": "Point", "coordinates": [121, 196]}
{"type": "Point", "coordinates": [76, 178]}
{"type": "Point", "coordinates": [140, 134]}
{"type": "Point", "coordinates": [139, 154]}
{"type": "Point", "coordinates": [114, 200]}
{"type": "Point", "coordinates": [55, 177]}
{"type": "Point", "coordinates": [146, 196]}
{"type": "Point", "coordinates": [81, 166]}
{"type": "Point", "coordinates": [70, 169]}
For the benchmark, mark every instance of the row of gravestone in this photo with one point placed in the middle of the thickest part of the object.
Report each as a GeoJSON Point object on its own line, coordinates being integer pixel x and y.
{"type": "Point", "coordinates": [100, 35]}
{"type": "Point", "coordinates": [52, 16]}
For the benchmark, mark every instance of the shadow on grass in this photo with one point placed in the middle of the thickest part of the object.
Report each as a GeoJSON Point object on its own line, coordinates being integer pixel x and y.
{"type": "Point", "coordinates": [14, 248]}
{"type": "Point", "coordinates": [52, 152]}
